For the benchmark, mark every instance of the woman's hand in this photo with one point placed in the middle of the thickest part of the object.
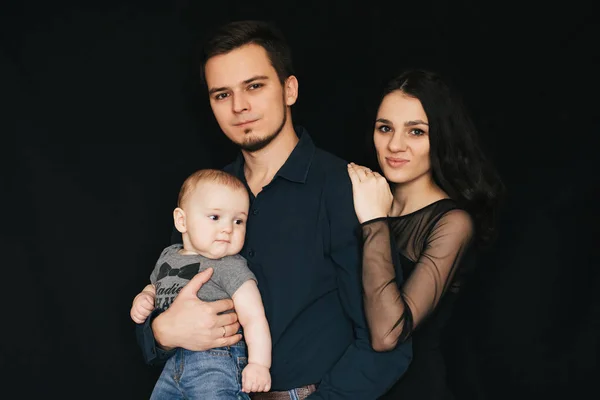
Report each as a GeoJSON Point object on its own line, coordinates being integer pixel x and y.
{"type": "Point", "coordinates": [371, 191]}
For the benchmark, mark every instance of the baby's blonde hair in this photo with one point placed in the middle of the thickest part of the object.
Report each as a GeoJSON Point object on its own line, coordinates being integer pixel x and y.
{"type": "Point", "coordinates": [208, 175]}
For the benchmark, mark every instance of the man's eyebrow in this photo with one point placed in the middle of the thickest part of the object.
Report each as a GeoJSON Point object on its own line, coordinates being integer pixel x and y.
{"type": "Point", "coordinates": [256, 78]}
{"type": "Point", "coordinates": [247, 81]}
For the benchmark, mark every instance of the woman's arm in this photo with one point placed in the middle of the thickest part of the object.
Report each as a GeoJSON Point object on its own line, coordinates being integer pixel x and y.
{"type": "Point", "coordinates": [393, 308]}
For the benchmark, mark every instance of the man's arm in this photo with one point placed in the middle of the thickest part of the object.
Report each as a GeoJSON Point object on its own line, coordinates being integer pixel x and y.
{"type": "Point", "coordinates": [189, 323]}
{"type": "Point", "coordinates": [151, 352]}
{"type": "Point", "coordinates": [361, 372]}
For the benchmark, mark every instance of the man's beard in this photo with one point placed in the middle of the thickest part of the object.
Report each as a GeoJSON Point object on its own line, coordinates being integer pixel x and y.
{"type": "Point", "coordinates": [257, 144]}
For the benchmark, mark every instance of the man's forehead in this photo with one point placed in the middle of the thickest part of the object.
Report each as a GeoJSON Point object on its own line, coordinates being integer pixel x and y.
{"type": "Point", "coordinates": [238, 66]}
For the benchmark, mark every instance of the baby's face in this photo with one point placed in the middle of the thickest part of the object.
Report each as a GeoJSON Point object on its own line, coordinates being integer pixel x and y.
{"type": "Point", "coordinates": [216, 217]}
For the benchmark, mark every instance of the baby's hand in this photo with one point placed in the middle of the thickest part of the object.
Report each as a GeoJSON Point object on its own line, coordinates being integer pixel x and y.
{"type": "Point", "coordinates": [256, 378]}
{"type": "Point", "coordinates": [143, 305]}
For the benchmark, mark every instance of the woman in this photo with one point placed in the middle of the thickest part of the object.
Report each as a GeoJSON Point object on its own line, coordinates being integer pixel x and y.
{"type": "Point", "coordinates": [442, 202]}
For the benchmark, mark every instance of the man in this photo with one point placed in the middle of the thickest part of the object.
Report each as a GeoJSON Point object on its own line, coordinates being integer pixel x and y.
{"type": "Point", "coordinates": [302, 239]}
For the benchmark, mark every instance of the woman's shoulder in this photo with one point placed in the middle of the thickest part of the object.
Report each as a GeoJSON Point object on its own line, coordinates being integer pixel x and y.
{"type": "Point", "coordinates": [452, 220]}
{"type": "Point", "coordinates": [441, 216]}
{"type": "Point", "coordinates": [449, 211]}
{"type": "Point", "coordinates": [431, 211]}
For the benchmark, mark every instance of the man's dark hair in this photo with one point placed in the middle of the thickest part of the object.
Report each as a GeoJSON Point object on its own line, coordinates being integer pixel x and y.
{"type": "Point", "coordinates": [236, 34]}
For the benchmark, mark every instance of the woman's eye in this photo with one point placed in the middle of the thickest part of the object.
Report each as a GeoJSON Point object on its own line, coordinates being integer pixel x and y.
{"type": "Point", "coordinates": [417, 132]}
{"type": "Point", "coordinates": [384, 129]}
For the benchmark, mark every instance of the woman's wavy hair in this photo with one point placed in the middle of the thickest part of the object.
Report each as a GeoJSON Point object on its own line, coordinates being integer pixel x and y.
{"type": "Point", "coordinates": [458, 163]}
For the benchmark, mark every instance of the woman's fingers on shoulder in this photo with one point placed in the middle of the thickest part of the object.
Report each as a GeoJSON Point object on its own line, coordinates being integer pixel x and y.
{"type": "Point", "coordinates": [353, 174]}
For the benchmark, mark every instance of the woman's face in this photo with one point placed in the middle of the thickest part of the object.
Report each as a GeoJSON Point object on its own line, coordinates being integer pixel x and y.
{"type": "Point", "coordinates": [401, 138]}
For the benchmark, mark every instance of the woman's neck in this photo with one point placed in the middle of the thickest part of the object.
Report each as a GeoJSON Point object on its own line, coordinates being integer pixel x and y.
{"type": "Point", "coordinates": [414, 195]}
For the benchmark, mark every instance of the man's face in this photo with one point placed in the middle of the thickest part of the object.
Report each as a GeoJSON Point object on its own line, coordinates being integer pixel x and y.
{"type": "Point", "coordinates": [246, 96]}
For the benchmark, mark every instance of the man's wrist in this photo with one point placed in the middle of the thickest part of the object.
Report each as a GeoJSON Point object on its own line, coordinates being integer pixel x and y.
{"type": "Point", "coordinates": [159, 338]}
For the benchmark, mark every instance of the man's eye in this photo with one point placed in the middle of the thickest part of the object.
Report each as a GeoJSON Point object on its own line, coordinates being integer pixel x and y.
{"type": "Point", "coordinates": [221, 96]}
{"type": "Point", "coordinates": [255, 86]}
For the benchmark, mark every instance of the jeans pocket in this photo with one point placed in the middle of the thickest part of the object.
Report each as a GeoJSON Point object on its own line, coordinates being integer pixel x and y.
{"type": "Point", "coordinates": [219, 351]}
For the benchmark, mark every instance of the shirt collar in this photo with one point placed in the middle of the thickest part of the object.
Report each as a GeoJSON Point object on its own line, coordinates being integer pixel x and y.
{"type": "Point", "coordinates": [296, 166]}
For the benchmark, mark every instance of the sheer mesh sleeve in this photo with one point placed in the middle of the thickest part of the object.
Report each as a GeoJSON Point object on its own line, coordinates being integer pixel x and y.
{"type": "Point", "coordinates": [395, 308]}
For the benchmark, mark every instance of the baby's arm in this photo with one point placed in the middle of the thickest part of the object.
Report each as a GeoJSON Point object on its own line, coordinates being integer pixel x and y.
{"type": "Point", "coordinates": [251, 314]}
{"type": "Point", "coordinates": [143, 304]}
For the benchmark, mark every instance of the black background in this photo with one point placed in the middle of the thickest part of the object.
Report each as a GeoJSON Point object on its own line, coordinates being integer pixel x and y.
{"type": "Point", "coordinates": [103, 116]}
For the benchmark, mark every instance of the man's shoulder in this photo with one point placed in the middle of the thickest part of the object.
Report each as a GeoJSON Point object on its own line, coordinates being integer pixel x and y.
{"type": "Point", "coordinates": [336, 181]}
{"type": "Point", "coordinates": [325, 156]}
{"type": "Point", "coordinates": [332, 165]}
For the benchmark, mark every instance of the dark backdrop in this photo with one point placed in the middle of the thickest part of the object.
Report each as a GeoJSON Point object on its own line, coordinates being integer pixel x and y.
{"type": "Point", "coordinates": [103, 116]}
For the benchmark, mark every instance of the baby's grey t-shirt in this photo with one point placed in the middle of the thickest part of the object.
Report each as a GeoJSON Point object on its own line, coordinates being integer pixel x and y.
{"type": "Point", "coordinates": [173, 271]}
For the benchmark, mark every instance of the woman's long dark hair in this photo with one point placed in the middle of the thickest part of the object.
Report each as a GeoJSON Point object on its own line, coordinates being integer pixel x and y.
{"type": "Point", "coordinates": [458, 163]}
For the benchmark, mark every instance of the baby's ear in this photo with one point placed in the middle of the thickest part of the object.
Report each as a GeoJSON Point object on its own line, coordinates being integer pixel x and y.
{"type": "Point", "coordinates": [179, 220]}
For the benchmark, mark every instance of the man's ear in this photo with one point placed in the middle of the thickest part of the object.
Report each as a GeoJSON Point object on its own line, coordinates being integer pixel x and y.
{"type": "Point", "coordinates": [291, 90]}
{"type": "Point", "coordinates": [179, 220]}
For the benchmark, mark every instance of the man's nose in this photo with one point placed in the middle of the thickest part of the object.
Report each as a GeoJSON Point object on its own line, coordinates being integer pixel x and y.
{"type": "Point", "coordinates": [240, 103]}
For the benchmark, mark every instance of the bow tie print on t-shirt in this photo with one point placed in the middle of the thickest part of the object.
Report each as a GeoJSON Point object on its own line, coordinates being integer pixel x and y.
{"type": "Point", "coordinates": [186, 272]}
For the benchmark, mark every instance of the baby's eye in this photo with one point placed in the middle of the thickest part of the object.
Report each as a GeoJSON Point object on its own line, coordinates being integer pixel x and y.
{"type": "Point", "coordinates": [214, 217]}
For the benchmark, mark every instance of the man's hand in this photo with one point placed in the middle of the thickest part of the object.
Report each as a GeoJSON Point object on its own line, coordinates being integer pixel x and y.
{"type": "Point", "coordinates": [143, 305]}
{"type": "Point", "coordinates": [195, 325]}
{"type": "Point", "coordinates": [256, 378]}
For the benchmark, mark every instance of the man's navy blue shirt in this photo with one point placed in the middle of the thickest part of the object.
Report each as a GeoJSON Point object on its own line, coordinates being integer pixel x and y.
{"type": "Point", "coordinates": [303, 245]}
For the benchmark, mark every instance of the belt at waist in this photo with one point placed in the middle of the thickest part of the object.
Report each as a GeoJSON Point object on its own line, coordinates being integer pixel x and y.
{"type": "Point", "coordinates": [301, 392]}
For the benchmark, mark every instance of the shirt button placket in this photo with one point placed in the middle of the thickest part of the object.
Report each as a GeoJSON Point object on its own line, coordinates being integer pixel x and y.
{"type": "Point", "coordinates": [254, 213]}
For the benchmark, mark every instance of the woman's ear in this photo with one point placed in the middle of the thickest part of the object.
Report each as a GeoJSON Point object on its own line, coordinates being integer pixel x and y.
{"type": "Point", "coordinates": [179, 220]}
